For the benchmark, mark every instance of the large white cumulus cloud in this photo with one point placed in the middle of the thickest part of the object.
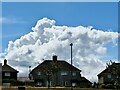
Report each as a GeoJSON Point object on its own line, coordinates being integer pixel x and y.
{"type": "Point", "coordinates": [47, 39]}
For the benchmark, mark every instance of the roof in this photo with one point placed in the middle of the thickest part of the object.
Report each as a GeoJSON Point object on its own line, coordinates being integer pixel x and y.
{"type": "Point", "coordinates": [55, 65]}
{"type": "Point", "coordinates": [111, 68]}
{"type": "Point", "coordinates": [83, 79]}
{"type": "Point", "coordinates": [7, 68]}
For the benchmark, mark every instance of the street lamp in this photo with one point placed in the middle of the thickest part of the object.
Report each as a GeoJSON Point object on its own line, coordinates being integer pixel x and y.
{"type": "Point", "coordinates": [30, 75]}
{"type": "Point", "coordinates": [71, 65]}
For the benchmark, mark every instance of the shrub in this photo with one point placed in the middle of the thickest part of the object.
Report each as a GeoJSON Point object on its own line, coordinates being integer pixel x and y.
{"type": "Point", "coordinates": [109, 86]}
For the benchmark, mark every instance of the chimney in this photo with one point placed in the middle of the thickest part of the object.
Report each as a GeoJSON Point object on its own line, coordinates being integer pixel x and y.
{"type": "Point", "coordinates": [5, 62]}
{"type": "Point", "coordinates": [54, 58]}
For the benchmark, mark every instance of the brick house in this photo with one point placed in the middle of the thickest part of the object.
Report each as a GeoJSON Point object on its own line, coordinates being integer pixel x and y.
{"type": "Point", "coordinates": [85, 83]}
{"type": "Point", "coordinates": [57, 73]}
{"type": "Point", "coordinates": [111, 75]}
{"type": "Point", "coordinates": [9, 75]}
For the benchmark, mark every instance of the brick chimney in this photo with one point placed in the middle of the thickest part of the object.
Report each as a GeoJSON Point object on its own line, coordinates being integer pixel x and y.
{"type": "Point", "coordinates": [54, 58]}
{"type": "Point", "coordinates": [5, 62]}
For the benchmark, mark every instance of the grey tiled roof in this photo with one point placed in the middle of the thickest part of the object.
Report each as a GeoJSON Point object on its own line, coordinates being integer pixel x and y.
{"type": "Point", "coordinates": [110, 69]}
{"type": "Point", "coordinates": [51, 65]}
{"type": "Point", "coordinates": [83, 79]}
{"type": "Point", "coordinates": [7, 68]}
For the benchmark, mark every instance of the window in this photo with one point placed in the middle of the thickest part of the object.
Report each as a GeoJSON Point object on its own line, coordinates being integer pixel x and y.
{"type": "Point", "coordinates": [6, 84]}
{"type": "Point", "coordinates": [39, 83]}
{"type": "Point", "coordinates": [73, 84]}
{"type": "Point", "coordinates": [64, 73]}
{"type": "Point", "coordinates": [65, 83]}
{"type": "Point", "coordinates": [7, 73]}
{"type": "Point", "coordinates": [39, 73]}
{"type": "Point", "coordinates": [49, 83]}
{"type": "Point", "coordinates": [109, 75]}
{"type": "Point", "coordinates": [74, 74]}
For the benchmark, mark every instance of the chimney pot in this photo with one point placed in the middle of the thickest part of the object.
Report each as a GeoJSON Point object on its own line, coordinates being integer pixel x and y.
{"type": "Point", "coordinates": [54, 58]}
{"type": "Point", "coordinates": [5, 62]}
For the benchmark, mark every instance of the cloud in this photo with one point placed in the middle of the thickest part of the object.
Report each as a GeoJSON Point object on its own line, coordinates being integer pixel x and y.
{"type": "Point", "coordinates": [47, 39]}
{"type": "Point", "coordinates": [11, 35]}
{"type": "Point", "coordinates": [11, 20]}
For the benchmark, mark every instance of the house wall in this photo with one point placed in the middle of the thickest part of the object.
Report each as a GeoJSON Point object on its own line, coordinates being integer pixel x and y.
{"type": "Point", "coordinates": [106, 78]}
{"type": "Point", "coordinates": [55, 79]}
{"type": "Point", "coordinates": [9, 80]}
{"type": "Point", "coordinates": [85, 85]}
{"type": "Point", "coordinates": [101, 80]}
{"type": "Point", "coordinates": [13, 75]}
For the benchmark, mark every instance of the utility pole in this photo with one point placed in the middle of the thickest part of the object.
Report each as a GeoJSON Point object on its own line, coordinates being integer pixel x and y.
{"type": "Point", "coordinates": [30, 75]}
{"type": "Point", "coordinates": [71, 65]}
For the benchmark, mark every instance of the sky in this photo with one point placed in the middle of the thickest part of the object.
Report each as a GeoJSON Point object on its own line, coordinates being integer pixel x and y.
{"type": "Point", "coordinates": [24, 15]}
{"type": "Point", "coordinates": [19, 18]}
{"type": "Point", "coordinates": [60, 1]}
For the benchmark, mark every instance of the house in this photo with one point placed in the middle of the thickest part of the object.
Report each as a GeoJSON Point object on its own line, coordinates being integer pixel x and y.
{"type": "Point", "coordinates": [9, 75]}
{"type": "Point", "coordinates": [56, 73]}
{"type": "Point", "coordinates": [111, 75]}
{"type": "Point", "coordinates": [0, 75]}
{"type": "Point", "coordinates": [85, 83]}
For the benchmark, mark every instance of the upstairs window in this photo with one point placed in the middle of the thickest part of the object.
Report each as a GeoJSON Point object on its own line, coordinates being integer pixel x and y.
{"type": "Point", "coordinates": [39, 73]}
{"type": "Point", "coordinates": [7, 73]}
{"type": "Point", "coordinates": [64, 73]}
{"type": "Point", "coordinates": [109, 75]}
{"type": "Point", "coordinates": [74, 74]}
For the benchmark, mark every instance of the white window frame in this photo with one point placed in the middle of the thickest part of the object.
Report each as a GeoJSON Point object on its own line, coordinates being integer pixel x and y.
{"type": "Point", "coordinates": [7, 74]}
{"type": "Point", "coordinates": [64, 73]}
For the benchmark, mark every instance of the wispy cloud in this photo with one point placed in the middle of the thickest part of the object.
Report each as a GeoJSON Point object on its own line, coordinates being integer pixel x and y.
{"type": "Point", "coordinates": [11, 35]}
{"type": "Point", "coordinates": [11, 20]}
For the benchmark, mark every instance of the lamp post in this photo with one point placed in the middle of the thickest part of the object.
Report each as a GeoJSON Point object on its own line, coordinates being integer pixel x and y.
{"type": "Point", "coordinates": [30, 75]}
{"type": "Point", "coordinates": [71, 65]}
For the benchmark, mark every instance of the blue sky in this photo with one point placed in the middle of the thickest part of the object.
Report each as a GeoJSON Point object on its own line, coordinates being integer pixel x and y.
{"type": "Point", "coordinates": [21, 17]}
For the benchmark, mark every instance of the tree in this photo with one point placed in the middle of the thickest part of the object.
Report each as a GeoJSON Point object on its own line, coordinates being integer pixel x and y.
{"type": "Point", "coordinates": [114, 69]}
